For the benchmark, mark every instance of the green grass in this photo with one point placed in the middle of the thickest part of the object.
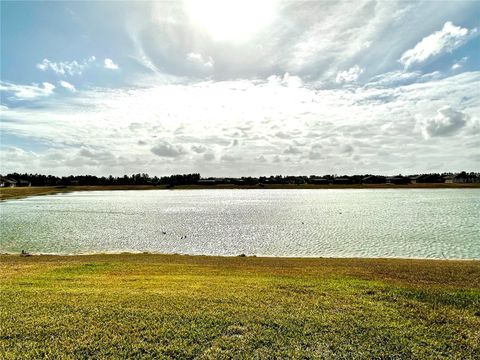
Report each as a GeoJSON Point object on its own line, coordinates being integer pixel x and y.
{"type": "Point", "coordinates": [160, 306]}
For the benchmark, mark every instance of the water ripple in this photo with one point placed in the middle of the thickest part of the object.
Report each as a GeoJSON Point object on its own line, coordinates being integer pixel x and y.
{"type": "Point", "coordinates": [421, 223]}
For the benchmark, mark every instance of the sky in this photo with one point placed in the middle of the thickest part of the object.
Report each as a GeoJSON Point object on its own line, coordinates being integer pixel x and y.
{"type": "Point", "coordinates": [245, 88]}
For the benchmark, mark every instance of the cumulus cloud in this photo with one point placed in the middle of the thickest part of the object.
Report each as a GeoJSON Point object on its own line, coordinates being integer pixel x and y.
{"type": "Point", "coordinates": [66, 67]}
{"type": "Point", "coordinates": [109, 64]}
{"type": "Point", "coordinates": [447, 122]}
{"type": "Point", "coordinates": [291, 80]}
{"type": "Point", "coordinates": [272, 94]}
{"type": "Point", "coordinates": [230, 158]}
{"type": "Point", "coordinates": [316, 153]}
{"type": "Point", "coordinates": [346, 149]}
{"type": "Point", "coordinates": [282, 135]}
{"type": "Point", "coordinates": [208, 157]}
{"type": "Point", "coordinates": [165, 149]}
{"type": "Point", "coordinates": [200, 59]}
{"type": "Point", "coordinates": [199, 149]}
{"type": "Point", "coordinates": [95, 156]}
{"type": "Point", "coordinates": [16, 159]}
{"type": "Point", "coordinates": [449, 38]}
{"type": "Point", "coordinates": [287, 80]}
{"type": "Point", "coordinates": [67, 85]}
{"type": "Point", "coordinates": [350, 75]}
{"type": "Point", "coordinates": [459, 64]}
{"type": "Point", "coordinates": [292, 150]}
{"type": "Point", "coordinates": [26, 92]}
{"type": "Point", "coordinates": [311, 125]}
{"type": "Point", "coordinates": [261, 159]}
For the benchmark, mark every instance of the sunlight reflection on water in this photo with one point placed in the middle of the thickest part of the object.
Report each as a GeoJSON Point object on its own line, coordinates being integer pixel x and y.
{"type": "Point", "coordinates": [423, 223]}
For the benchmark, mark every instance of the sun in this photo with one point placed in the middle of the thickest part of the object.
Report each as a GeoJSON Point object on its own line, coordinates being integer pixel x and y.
{"type": "Point", "coordinates": [230, 20]}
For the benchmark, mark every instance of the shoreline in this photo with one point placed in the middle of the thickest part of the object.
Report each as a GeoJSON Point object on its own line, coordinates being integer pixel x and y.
{"type": "Point", "coordinates": [266, 257]}
{"type": "Point", "coordinates": [23, 192]}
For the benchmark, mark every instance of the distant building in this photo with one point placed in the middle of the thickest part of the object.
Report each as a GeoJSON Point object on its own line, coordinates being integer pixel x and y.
{"type": "Point", "coordinates": [373, 179]}
{"type": "Point", "coordinates": [24, 183]}
{"type": "Point", "coordinates": [416, 179]}
{"type": "Point", "coordinates": [426, 178]}
{"type": "Point", "coordinates": [342, 180]}
{"type": "Point", "coordinates": [6, 182]}
{"type": "Point", "coordinates": [298, 180]}
{"type": "Point", "coordinates": [319, 181]}
{"type": "Point", "coordinates": [448, 179]}
{"type": "Point", "coordinates": [206, 182]}
{"type": "Point", "coordinates": [462, 178]}
{"type": "Point", "coordinates": [398, 180]}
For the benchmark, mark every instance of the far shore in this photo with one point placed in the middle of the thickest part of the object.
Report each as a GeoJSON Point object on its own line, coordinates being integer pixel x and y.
{"type": "Point", "coordinates": [22, 192]}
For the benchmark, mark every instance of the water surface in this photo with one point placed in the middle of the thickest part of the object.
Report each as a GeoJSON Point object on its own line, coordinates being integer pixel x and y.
{"type": "Point", "coordinates": [420, 223]}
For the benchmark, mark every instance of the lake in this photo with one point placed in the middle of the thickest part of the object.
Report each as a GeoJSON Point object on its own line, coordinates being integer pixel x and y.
{"type": "Point", "coordinates": [417, 223]}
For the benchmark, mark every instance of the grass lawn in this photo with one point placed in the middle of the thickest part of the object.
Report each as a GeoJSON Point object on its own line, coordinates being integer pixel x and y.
{"type": "Point", "coordinates": [173, 306]}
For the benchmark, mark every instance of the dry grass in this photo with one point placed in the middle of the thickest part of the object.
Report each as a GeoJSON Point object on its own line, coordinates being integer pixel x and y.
{"type": "Point", "coordinates": [21, 192]}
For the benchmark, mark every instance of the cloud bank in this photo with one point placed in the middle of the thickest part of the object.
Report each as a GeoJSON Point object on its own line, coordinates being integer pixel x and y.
{"type": "Point", "coordinates": [260, 126]}
{"type": "Point", "coordinates": [250, 89]}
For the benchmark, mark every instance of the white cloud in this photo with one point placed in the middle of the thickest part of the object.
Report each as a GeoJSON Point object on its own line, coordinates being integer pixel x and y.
{"type": "Point", "coordinates": [335, 41]}
{"type": "Point", "coordinates": [67, 85]}
{"type": "Point", "coordinates": [346, 149]}
{"type": "Point", "coordinates": [208, 157]}
{"type": "Point", "coordinates": [109, 64]}
{"type": "Point", "coordinates": [341, 130]}
{"type": "Point", "coordinates": [319, 39]}
{"type": "Point", "coordinates": [459, 64]}
{"type": "Point", "coordinates": [66, 67]}
{"type": "Point", "coordinates": [350, 75]}
{"type": "Point", "coordinates": [315, 153]}
{"type": "Point", "coordinates": [292, 150]}
{"type": "Point", "coordinates": [261, 159]}
{"type": "Point", "coordinates": [291, 80]}
{"type": "Point", "coordinates": [230, 158]}
{"type": "Point", "coordinates": [447, 122]}
{"type": "Point", "coordinates": [263, 97]}
{"type": "Point", "coordinates": [200, 59]}
{"type": "Point", "coordinates": [165, 149]}
{"type": "Point", "coordinates": [399, 78]}
{"type": "Point", "coordinates": [26, 92]}
{"type": "Point", "coordinates": [311, 40]}
{"type": "Point", "coordinates": [199, 149]}
{"type": "Point", "coordinates": [13, 158]}
{"type": "Point", "coordinates": [48, 87]}
{"type": "Point", "coordinates": [456, 66]}
{"type": "Point", "coordinates": [446, 40]}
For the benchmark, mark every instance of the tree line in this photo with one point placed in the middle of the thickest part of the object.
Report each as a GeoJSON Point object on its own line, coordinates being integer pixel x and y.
{"type": "Point", "coordinates": [92, 180]}
{"type": "Point", "coordinates": [194, 178]}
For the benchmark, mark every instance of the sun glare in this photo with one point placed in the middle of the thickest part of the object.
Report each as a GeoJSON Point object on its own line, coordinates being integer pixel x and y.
{"type": "Point", "coordinates": [230, 20]}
